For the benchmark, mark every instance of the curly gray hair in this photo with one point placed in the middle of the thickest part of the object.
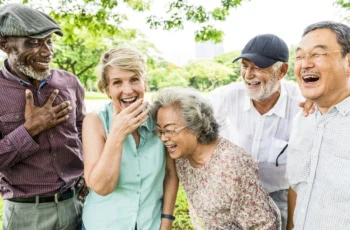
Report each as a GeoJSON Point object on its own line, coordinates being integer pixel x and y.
{"type": "Point", "coordinates": [195, 109]}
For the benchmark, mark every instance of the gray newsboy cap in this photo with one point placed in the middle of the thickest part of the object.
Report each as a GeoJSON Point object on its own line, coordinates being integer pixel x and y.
{"type": "Point", "coordinates": [18, 20]}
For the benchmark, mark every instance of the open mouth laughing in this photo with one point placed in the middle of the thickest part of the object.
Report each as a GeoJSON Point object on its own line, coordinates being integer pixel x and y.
{"type": "Point", "coordinates": [128, 101]}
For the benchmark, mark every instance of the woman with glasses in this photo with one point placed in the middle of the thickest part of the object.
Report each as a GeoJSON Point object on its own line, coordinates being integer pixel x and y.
{"type": "Point", "coordinates": [125, 163]}
{"type": "Point", "coordinates": [220, 180]}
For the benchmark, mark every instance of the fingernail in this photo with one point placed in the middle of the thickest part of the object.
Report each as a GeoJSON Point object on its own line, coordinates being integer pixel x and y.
{"type": "Point", "coordinates": [305, 114]}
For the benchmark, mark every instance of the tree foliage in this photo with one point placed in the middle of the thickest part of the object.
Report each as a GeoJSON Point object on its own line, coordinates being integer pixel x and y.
{"type": "Point", "coordinates": [205, 75]}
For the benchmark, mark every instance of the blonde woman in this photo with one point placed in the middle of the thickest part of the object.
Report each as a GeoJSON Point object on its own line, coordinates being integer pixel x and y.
{"type": "Point", "coordinates": [125, 162]}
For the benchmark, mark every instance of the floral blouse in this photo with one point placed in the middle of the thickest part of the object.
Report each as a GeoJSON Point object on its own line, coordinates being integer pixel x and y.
{"type": "Point", "coordinates": [225, 193]}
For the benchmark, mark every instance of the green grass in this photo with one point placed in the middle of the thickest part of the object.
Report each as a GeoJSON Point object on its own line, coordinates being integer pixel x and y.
{"type": "Point", "coordinates": [95, 96]}
{"type": "Point", "coordinates": [1, 204]}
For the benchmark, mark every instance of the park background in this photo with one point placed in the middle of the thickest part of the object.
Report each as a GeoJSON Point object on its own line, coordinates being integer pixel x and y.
{"type": "Point", "coordinates": [186, 43]}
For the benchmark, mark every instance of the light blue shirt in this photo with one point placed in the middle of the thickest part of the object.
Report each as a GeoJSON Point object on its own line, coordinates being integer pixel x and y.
{"type": "Point", "coordinates": [319, 167]}
{"type": "Point", "coordinates": [139, 192]}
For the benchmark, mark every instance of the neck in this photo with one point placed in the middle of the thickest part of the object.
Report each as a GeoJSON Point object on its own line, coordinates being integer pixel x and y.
{"type": "Point", "coordinates": [330, 101]}
{"type": "Point", "coordinates": [202, 154]}
{"type": "Point", "coordinates": [263, 106]}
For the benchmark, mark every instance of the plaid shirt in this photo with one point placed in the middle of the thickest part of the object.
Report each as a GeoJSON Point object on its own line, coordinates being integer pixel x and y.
{"type": "Point", "coordinates": [50, 161]}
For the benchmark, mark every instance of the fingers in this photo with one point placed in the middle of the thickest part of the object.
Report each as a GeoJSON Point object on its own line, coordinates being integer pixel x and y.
{"type": "Point", "coordinates": [52, 98]}
{"type": "Point", "coordinates": [308, 107]}
{"type": "Point", "coordinates": [64, 105]}
{"type": "Point", "coordinates": [29, 100]}
{"type": "Point", "coordinates": [83, 193]}
{"type": "Point", "coordinates": [62, 112]}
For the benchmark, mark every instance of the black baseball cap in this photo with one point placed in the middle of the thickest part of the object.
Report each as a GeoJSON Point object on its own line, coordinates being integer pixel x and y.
{"type": "Point", "coordinates": [265, 50]}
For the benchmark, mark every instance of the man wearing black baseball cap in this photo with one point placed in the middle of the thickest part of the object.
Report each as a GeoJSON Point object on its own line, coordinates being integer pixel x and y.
{"type": "Point", "coordinates": [257, 113]}
{"type": "Point", "coordinates": [41, 116]}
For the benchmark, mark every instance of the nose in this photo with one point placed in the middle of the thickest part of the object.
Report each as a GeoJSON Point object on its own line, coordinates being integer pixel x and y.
{"type": "Point", "coordinates": [46, 50]}
{"type": "Point", "coordinates": [127, 88]}
{"type": "Point", "coordinates": [163, 138]}
{"type": "Point", "coordinates": [306, 62]}
{"type": "Point", "coordinates": [248, 73]}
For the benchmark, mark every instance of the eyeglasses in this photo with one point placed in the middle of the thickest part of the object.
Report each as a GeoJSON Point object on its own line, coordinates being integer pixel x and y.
{"type": "Point", "coordinates": [314, 56]}
{"type": "Point", "coordinates": [168, 133]}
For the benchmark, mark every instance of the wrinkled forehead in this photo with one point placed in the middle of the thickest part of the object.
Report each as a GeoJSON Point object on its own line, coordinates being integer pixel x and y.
{"type": "Point", "coordinates": [319, 39]}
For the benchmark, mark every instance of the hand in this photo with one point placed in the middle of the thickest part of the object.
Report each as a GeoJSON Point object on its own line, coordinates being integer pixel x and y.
{"type": "Point", "coordinates": [81, 189]}
{"type": "Point", "coordinates": [308, 107]}
{"type": "Point", "coordinates": [39, 119]}
{"type": "Point", "coordinates": [129, 119]}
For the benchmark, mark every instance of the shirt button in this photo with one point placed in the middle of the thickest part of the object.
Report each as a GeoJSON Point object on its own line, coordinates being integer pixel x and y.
{"type": "Point", "coordinates": [17, 116]}
{"type": "Point", "coordinates": [138, 175]}
{"type": "Point", "coordinates": [62, 174]}
{"type": "Point", "coordinates": [51, 135]}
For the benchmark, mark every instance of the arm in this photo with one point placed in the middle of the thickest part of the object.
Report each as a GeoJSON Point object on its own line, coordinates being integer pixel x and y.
{"type": "Point", "coordinates": [171, 184]}
{"type": "Point", "coordinates": [80, 110]}
{"type": "Point", "coordinates": [102, 154]}
{"type": "Point", "coordinates": [292, 197]}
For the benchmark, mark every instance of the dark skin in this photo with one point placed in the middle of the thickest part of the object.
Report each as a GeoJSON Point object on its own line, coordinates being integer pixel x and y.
{"type": "Point", "coordinates": [36, 54]}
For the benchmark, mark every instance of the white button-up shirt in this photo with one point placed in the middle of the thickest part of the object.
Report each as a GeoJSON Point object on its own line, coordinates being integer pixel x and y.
{"type": "Point", "coordinates": [266, 136]}
{"type": "Point", "coordinates": [319, 169]}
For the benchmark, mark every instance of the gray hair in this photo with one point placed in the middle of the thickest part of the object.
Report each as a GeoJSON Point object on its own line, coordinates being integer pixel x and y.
{"type": "Point", "coordinates": [341, 31]}
{"type": "Point", "coordinates": [124, 58]}
{"type": "Point", "coordinates": [277, 66]}
{"type": "Point", "coordinates": [195, 109]}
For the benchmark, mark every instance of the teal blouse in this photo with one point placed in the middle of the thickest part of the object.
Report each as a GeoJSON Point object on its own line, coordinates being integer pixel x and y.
{"type": "Point", "coordinates": [139, 192]}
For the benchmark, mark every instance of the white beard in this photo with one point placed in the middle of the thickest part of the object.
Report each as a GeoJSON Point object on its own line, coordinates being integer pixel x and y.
{"type": "Point", "coordinates": [265, 91]}
{"type": "Point", "coordinates": [30, 72]}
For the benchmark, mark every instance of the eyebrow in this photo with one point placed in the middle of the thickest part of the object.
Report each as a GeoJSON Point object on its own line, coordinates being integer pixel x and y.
{"type": "Point", "coordinates": [167, 125]}
{"type": "Point", "coordinates": [315, 47]}
{"type": "Point", "coordinates": [118, 78]}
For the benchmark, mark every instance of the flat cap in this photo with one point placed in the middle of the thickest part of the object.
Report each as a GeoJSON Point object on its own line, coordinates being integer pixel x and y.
{"type": "Point", "coordinates": [18, 20]}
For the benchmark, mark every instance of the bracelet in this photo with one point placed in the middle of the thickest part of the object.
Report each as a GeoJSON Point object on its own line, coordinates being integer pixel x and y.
{"type": "Point", "coordinates": [170, 217]}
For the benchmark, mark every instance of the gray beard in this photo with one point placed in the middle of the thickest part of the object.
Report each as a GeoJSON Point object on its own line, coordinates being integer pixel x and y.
{"type": "Point", "coordinates": [30, 72]}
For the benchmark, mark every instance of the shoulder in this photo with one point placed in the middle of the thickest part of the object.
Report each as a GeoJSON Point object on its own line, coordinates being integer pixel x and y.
{"type": "Point", "coordinates": [233, 156]}
{"type": "Point", "coordinates": [227, 94]}
{"type": "Point", "coordinates": [64, 77]}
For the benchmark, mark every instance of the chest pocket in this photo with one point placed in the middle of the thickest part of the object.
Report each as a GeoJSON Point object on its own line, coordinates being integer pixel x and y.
{"type": "Point", "coordinates": [278, 152]}
{"type": "Point", "coordinates": [10, 122]}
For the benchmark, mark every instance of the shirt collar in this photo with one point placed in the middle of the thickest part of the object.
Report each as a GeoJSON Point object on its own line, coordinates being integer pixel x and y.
{"type": "Point", "coordinates": [9, 76]}
{"type": "Point", "coordinates": [149, 124]}
{"type": "Point", "coordinates": [342, 107]}
{"type": "Point", "coordinates": [279, 109]}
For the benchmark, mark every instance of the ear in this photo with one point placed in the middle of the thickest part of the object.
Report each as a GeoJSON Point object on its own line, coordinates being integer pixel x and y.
{"type": "Point", "coordinates": [347, 58]}
{"type": "Point", "coordinates": [283, 70]}
{"type": "Point", "coordinates": [4, 45]}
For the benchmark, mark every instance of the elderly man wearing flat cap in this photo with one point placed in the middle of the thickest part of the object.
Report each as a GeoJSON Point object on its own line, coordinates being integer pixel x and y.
{"type": "Point", "coordinates": [41, 118]}
{"type": "Point", "coordinates": [257, 113]}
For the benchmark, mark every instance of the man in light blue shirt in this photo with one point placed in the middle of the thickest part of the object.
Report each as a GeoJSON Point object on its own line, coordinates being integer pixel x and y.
{"type": "Point", "coordinates": [319, 158]}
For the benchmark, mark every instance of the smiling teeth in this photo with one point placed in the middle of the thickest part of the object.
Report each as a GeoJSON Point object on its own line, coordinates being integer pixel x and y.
{"type": "Point", "coordinates": [129, 99]}
{"type": "Point", "coordinates": [310, 77]}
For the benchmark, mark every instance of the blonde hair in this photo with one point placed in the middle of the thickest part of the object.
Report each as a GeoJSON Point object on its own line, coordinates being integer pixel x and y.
{"type": "Point", "coordinates": [124, 58]}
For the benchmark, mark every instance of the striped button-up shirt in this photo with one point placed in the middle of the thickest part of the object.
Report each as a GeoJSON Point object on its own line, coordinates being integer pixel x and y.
{"type": "Point", "coordinates": [319, 169]}
{"type": "Point", "coordinates": [50, 161]}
